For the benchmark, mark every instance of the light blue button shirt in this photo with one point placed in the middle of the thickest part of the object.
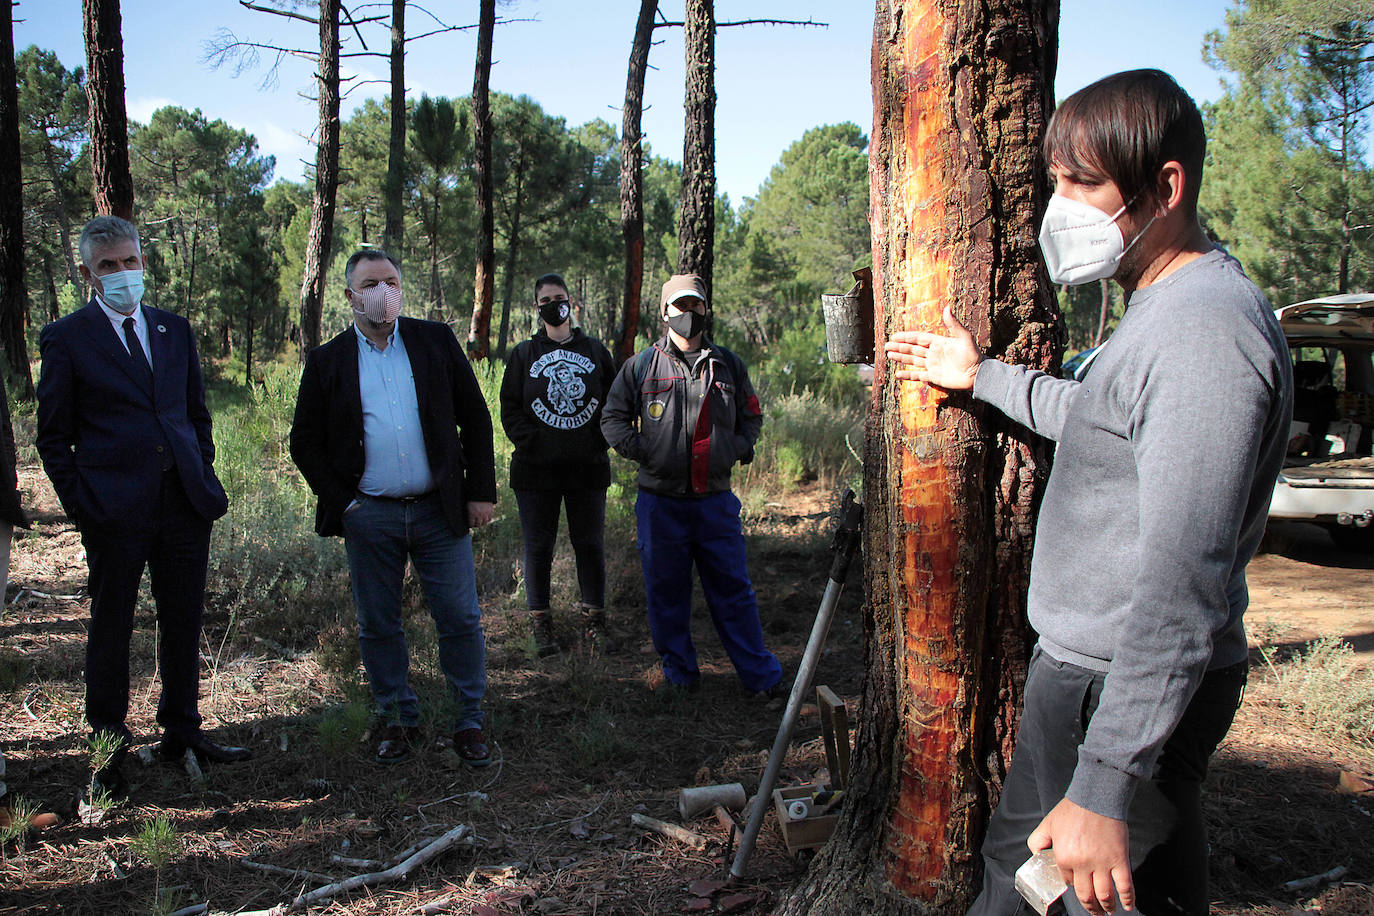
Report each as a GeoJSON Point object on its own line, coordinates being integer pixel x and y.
{"type": "Point", "coordinates": [396, 463]}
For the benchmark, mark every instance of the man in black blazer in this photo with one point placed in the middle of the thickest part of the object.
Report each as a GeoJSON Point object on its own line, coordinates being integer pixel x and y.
{"type": "Point", "coordinates": [124, 435]}
{"type": "Point", "coordinates": [393, 435]}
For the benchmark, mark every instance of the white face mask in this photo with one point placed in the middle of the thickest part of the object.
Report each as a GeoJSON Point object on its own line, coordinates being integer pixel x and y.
{"type": "Point", "coordinates": [122, 290]}
{"type": "Point", "coordinates": [1081, 243]}
{"type": "Point", "coordinates": [381, 304]}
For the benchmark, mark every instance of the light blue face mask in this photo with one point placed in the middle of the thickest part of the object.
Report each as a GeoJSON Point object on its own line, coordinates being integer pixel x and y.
{"type": "Point", "coordinates": [122, 290]}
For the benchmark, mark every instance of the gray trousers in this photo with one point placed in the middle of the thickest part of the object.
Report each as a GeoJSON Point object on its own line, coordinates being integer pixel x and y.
{"type": "Point", "coordinates": [1168, 836]}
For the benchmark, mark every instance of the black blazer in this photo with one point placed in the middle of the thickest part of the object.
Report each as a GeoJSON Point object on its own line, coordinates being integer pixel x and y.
{"type": "Point", "coordinates": [103, 434]}
{"type": "Point", "coordinates": [327, 432]}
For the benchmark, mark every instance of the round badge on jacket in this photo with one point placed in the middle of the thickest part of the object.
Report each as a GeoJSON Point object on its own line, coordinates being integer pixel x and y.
{"type": "Point", "coordinates": [656, 409]}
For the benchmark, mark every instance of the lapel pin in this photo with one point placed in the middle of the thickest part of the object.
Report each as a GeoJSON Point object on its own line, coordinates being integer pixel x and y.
{"type": "Point", "coordinates": [162, 329]}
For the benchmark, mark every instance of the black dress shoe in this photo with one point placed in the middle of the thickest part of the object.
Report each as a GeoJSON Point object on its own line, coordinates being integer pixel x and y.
{"type": "Point", "coordinates": [173, 749]}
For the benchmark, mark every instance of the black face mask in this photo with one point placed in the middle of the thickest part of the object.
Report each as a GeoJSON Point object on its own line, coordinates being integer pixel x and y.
{"type": "Point", "coordinates": [555, 313]}
{"type": "Point", "coordinates": [688, 324]}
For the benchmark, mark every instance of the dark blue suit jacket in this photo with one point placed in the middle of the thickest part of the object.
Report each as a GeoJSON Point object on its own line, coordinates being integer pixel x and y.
{"type": "Point", "coordinates": [103, 434]}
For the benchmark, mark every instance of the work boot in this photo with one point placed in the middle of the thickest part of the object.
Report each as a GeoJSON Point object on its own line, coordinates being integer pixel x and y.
{"type": "Point", "coordinates": [594, 632]}
{"type": "Point", "coordinates": [541, 627]}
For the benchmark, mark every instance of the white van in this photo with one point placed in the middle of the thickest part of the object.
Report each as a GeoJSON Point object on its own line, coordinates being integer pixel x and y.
{"type": "Point", "coordinates": [1328, 476]}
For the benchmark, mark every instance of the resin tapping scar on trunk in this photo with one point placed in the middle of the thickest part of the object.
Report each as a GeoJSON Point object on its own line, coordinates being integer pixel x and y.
{"type": "Point", "coordinates": [916, 837]}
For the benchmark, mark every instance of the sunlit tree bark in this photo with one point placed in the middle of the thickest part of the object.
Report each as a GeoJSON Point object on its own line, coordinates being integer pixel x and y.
{"type": "Point", "coordinates": [393, 234]}
{"type": "Point", "coordinates": [319, 244]}
{"type": "Point", "coordinates": [13, 295]}
{"type": "Point", "coordinates": [697, 217]}
{"type": "Point", "coordinates": [114, 186]}
{"type": "Point", "coordinates": [484, 285]}
{"type": "Point", "coordinates": [962, 92]}
{"type": "Point", "coordinates": [632, 180]}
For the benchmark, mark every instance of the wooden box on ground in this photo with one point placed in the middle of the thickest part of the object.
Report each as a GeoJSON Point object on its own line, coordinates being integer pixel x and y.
{"type": "Point", "coordinates": [802, 833]}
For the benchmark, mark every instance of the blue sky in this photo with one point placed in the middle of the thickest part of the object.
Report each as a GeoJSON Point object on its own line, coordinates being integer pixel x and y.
{"type": "Point", "coordinates": [772, 82]}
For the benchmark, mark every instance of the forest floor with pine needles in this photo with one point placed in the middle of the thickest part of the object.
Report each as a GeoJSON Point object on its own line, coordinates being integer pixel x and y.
{"type": "Point", "coordinates": [581, 743]}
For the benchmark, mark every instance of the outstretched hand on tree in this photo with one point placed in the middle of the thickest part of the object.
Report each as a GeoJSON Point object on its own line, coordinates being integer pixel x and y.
{"type": "Point", "coordinates": [1093, 852]}
{"type": "Point", "coordinates": [948, 362]}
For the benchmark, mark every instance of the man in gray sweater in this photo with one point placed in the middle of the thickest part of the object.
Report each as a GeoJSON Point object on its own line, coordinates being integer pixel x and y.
{"type": "Point", "coordinates": [1168, 451]}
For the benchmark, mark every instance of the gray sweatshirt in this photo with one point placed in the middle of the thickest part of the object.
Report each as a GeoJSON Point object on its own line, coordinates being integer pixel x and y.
{"type": "Point", "coordinates": [1168, 452]}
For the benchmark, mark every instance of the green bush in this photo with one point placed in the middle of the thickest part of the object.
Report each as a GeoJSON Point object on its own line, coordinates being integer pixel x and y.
{"type": "Point", "coordinates": [798, 361]}
{"type": "Point", "coordinates": [1328, 689]}
{"type": "Point", "coordinates": [267, 565]}
{"type": "Point", "coordinates": [806, 436]}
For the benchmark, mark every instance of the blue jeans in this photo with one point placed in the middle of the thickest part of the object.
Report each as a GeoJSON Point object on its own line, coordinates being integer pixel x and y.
{"type": "Point", "coordinates": [586, 531]}
{"type": "Point", "coordinates": [380, 534]}
{"type": "Point", "coordinates": [673, 535]}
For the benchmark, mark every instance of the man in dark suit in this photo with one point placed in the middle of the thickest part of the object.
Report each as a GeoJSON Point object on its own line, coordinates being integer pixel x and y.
{"type": "Point", "coordinates": [393, 435]}
{"type": "Point", "coordinates": [124, 435]}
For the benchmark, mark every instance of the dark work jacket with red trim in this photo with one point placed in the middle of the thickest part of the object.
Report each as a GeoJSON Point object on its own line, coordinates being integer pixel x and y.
{"type": "Point", "coordinates": [687, 426]}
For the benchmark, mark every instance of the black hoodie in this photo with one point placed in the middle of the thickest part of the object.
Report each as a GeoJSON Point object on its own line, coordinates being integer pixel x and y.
{"type": "Point", "coordinates": [551, 400]}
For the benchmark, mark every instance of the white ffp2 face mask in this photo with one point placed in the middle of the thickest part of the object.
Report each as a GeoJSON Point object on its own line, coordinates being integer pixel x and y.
{"type": "Point", "coordinates": [1081, 243]}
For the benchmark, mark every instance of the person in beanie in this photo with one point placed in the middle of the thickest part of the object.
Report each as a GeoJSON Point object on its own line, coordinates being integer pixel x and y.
{"type": "Point", "coordinates": [551, 398]}
{"type": "Point", "coordinates": [684, 409]}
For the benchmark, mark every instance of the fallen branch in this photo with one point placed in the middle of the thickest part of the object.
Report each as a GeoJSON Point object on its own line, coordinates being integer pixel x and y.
{"type": "Point", "coordinates": [194, 910]}
{"type": "Point", "coordinates": [442, 905]}
{"type": "Point", "coordinates": [454, 836]}
{"type": "Point", "coordinates": [356, 863]}
{"type": "Point", "coordinates": [681, 834]}
{"type": "Point", "coordinates": [1302, 884]}
{"type": "Point", "coordinates": [288, 872]}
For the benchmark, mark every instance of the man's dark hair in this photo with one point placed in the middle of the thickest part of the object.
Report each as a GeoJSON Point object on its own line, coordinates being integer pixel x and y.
{"type": "Point", "coordinates": [1122, 129]}
{"type": "Point", "coordinates": [549, 280]}
{"type": "Point", "coordinates": [367, 254]}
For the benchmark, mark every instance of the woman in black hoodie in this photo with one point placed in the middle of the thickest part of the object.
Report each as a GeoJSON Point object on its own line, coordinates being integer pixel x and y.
{"type": "Point", "coordinates": [551, 398]}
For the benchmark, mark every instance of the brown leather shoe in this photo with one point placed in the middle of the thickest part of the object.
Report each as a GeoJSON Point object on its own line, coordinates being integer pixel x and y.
{"type": "Point", "coordinates": [471, 745]}
{"type": "Point", "coordinates": [396, 743]}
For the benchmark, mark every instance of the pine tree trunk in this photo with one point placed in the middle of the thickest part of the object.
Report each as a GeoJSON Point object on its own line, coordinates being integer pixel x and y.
{"type": "Point", "coordinates": [632, 180]}
{"type": "Point", "coordinates": [697, 219]}
{"type": "Point", "coordinates": [64, 225]}
{"type": "Point", "coordinates": [393, 234]}
{"type": "Point", "coordinates": [13, 294]}
{"type": "Point", "coordinates": [484, 285]}
{"type": "Point", "coordinates": [318, 245]}
{"type": "Point", "coordinates": [962, 93]}
{"type": "Point", "coordinates": [512, 262]}
{"type": "Point", "coordinates": [109, 146]}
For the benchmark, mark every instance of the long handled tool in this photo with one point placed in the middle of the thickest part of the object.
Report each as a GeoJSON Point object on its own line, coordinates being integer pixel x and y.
{"type": "Point", "coordinates": [845, 544]}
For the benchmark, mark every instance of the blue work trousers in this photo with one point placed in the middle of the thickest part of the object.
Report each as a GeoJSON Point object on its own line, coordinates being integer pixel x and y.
{"type": "Point", "coordinates": [380, 535]}
{"type": "Point", "coordinates": [674, 534]}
